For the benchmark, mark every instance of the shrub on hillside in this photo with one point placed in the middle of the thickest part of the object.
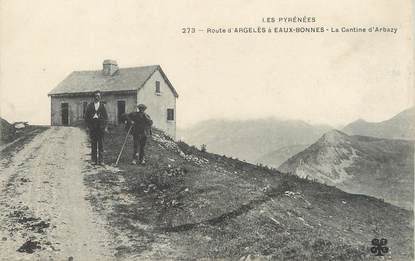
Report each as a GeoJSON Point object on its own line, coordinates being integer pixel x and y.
{"type": "Point", "coordinates": [7, 131]}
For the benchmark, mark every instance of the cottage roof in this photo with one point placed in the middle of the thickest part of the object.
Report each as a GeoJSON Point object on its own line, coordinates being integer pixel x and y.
{"type": "Point", "coordinates": [125, 79]}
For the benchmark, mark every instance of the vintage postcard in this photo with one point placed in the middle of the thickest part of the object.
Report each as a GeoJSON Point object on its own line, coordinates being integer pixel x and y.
{"type": "Point", "coordinates": [188, 130]}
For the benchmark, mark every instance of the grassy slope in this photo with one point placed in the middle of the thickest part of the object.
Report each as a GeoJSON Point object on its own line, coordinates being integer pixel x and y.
{"type": "Point", "coordinates": [389, 168]}
{"type": "Point", "coordinates": [205, 205]}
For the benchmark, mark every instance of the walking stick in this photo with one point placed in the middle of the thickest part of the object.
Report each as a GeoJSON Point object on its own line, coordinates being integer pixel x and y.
{"type": "Point", "coordinates": [122, 148]}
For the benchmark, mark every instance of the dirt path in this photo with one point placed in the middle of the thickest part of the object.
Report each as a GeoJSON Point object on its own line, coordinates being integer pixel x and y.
{"type": "Point", "coordinates": [43, 206]}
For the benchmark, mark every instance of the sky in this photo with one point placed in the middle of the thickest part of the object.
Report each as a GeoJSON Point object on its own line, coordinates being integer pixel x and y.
{"type": "Point", "coordinates": [327, 78]}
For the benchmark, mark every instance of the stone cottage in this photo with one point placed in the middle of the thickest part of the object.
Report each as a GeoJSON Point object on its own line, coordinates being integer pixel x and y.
{"type": "Point", "coordinates": [122, 89]}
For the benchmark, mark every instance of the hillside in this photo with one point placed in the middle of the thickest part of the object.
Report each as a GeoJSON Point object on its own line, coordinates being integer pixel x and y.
{"type": "Point", "coordinates": [7, 131]}
{"type": "Point", "coordinates": [276, 158]}
{"type": "Point", "coordinates": [251, 140]}
{"type": "Point", "coordinates": [401, 126]}
{"type": "Point", "coordinates": [187, 204]}
{"type": "Point", "coordinates": [358, 164]}
{"type": "Point", "coordinates": [9, 134]}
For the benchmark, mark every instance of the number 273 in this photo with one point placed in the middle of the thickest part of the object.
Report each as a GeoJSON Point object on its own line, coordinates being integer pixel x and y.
{"type": "Point", "coordinates": [188, 30]}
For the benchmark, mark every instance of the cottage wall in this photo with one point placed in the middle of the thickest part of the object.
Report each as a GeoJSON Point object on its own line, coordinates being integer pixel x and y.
{"type": "Point", "coordinates": [76, 107]}
{"type": "Point", "coordinates": [111, 101]}
{"type": "Point", "coordinates": [157, 104]}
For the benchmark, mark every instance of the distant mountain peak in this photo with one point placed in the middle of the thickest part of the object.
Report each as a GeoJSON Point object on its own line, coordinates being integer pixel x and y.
{"type": "Point", "coordinates": [401, 126]}
{"type": "Point", "coordinates": [406, 114]}
{"type": "Point", "coordinates": [360, 120]}
{"type": "Point", "coordinates": [381, 168]}
{"type": "Point", "coordinates": [334, 137]}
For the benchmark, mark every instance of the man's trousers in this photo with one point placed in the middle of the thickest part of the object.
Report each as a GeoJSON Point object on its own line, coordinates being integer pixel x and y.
{"type": "Point", "coordinates": [139, 144]}
{"type": "Point", "coordinates": [97, 149]}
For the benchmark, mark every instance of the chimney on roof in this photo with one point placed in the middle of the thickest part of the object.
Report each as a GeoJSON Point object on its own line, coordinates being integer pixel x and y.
{"type": "Point", "coordinates": [109, 67]}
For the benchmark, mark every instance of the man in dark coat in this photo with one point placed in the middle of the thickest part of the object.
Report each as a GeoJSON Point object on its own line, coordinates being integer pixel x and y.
{"type": "Point", "coordinates": [141, 129]}
{"type": "Point", "coordinates": [96, 120]}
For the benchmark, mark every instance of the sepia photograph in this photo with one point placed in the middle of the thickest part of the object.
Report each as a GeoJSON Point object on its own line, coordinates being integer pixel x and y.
{"type": "Point", "coordinates": [206, 130]}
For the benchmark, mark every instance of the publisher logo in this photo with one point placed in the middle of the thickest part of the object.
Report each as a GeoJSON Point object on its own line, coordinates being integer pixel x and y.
{"type": "Point", "coordinates": [379, 247]}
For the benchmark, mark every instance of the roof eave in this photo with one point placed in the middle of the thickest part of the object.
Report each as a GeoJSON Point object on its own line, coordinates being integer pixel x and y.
{"type": "Point", "coordinates": [168, 82]}
{"type": "Point", "coordinates": [90, 93]}
{"type": "Point", "coordinates": [158, 67]}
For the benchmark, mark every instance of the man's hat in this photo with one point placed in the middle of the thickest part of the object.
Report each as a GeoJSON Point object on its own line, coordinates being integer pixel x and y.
{"type": "Point", "coordinates": [141, 107]}
{"type": "Point", "coordinates": [97, 92]}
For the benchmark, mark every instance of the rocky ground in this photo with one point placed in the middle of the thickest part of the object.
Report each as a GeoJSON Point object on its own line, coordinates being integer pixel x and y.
{"type": "Point", "coordinates": [44, 213]}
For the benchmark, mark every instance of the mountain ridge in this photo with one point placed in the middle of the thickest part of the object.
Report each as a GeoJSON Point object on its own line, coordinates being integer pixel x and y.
{"type": "Point", "coordinates": [400, 126]}
{"type": "Point", "coordinates": [378, 167]}
{"type": "Point", "coordinates": [251, 139]}
{"type": "Point", "coordinates": [276, 158]}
